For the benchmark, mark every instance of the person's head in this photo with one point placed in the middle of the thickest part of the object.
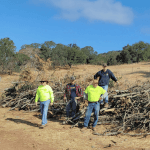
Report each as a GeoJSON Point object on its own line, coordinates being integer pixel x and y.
{"type": "Point", "coordinates": [44, 81]}
{"type": "Point", "coordinates": [72, 79]}
{"type": "Point", "coordinates": [104, 66]}
{"type": "Point", "coordinates": [95, 83]}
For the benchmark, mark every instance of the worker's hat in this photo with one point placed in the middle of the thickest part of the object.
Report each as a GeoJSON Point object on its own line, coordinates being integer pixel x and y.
{"type": "Point", "coordinates": [104, 65]}
{"type": "Point", "coordinates": [72, 78]}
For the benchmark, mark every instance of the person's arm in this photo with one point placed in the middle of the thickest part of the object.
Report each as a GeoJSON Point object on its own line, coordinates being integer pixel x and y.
{"type": "Point", "coordinates": [112, 76]}
{"type": "Point", "coordinates": [103, 93]}
{"type": "Point", "coordinates": [80, 91]}
{"type": "Point", "coordinates": [86, 100]}
{"type": "Point", "coordinates": [97, 75]}
{"type": "Point", "coordinates": [65, 94]}
{"type": "Point", "coordinates": [86, 91]}
{"type": "Point", "coordinates": [51, 95]}
{"type": "Point", "coordinates": [37, 97]}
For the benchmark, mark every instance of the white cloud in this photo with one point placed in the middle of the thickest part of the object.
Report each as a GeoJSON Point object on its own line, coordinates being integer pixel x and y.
{"type": "Point", "coordinates": [103, 10]}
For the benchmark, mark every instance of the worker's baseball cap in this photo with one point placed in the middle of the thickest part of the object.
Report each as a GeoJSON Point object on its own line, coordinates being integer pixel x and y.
{"type": "Point", "coordinates": [72, 78]}
{"type": "Point", "coordinates": [104, 65]}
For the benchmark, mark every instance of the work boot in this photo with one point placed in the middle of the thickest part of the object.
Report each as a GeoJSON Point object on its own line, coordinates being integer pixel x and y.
{"type": "Point", "coordinates": [84, 129]}
{"type": "Point", "coordinates": [94, 130]}
{"type": "Point", "coordinates": [42, 126]}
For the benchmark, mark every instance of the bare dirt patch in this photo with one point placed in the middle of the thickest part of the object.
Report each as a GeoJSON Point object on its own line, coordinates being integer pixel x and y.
{"type": "Point", "coordinates": [19, 130]}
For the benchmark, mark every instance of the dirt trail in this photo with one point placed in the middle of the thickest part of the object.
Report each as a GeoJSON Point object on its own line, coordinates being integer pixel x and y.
{"type": "Point", "coordinates": [20, 131]}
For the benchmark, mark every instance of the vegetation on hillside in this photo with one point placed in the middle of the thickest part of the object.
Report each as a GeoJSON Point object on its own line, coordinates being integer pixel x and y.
{"type": "Point", "coordinates": [9, 59]}
{"type": "Point", "coordinates": [70, 54]}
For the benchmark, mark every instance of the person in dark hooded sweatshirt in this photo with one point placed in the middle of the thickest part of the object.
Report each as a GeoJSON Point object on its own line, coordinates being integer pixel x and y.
{"type": "Point", "coordinates": [104, 77]}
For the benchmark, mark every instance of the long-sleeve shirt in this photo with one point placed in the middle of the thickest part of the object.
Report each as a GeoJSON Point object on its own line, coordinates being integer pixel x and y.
{"type": "Point", "coordinates": [94, 93]}
{"type": "Point", "coordinates": [44, 93]}
{"type": "Point", "coordinates": [104, 77]}
{"type": "Point", "coordinates": [67, 94]}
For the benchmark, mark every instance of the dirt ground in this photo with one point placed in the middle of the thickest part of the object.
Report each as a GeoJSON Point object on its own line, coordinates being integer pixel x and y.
{"type": "Point", "coordinates": [19, 130]}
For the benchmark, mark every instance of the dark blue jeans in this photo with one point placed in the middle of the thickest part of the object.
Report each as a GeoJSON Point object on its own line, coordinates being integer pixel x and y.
{"type": "Point", "coordinates": [92, 107]}
{"type": "Point", "coordinates": [71, 105]}
{"type": "Point", "coordinates": [44, 109]}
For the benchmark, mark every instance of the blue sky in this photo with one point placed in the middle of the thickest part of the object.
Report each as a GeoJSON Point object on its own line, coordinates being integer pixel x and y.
{"type": "Point", "coordinates": [105, 25]}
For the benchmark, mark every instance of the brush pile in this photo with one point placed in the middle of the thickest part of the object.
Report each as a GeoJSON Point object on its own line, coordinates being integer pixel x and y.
{"type": "Point", "coordinates": [22, 94]}
{"type": "Point", "coordinates": [24, 97]}
{"type": "Point", "coordinates": [129, 109]}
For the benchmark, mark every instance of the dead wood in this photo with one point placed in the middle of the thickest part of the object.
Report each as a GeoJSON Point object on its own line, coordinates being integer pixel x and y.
{"type": "Point", "coordinates": [129, 109]}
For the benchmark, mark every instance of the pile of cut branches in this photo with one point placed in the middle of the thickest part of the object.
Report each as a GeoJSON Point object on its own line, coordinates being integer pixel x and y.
{"type": "Point", "coordinates": [24, 97]}
{"type": "Point", "coordinates": [129, 111]}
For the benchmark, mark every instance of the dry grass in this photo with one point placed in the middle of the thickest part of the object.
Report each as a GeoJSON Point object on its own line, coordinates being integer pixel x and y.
{"type": "Point", "coordinates": [128, 75]}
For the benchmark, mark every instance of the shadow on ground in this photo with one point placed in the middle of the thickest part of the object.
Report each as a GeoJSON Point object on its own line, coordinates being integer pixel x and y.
{"type": "Point", "coordinates": [50, 118]}
{"type": "Point", "coordinates": [23, 121]}
{"type": "Point", "coordinates": [34, 124]}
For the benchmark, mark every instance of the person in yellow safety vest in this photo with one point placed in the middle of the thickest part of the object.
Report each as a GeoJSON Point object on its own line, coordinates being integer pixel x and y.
{"type": "Point", "coordinates": [45, 94]}
{"type": "Point", "coordinates": [94, 92]}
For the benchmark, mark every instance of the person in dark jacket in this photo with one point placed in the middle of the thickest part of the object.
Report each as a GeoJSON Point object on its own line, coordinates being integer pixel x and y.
{"type": "Point", "coordinates": [72, 92]}
{"type": "Point", "coordinates": [104, 77]}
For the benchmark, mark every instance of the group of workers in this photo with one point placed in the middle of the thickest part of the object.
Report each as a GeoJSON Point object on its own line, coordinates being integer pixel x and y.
{"type": "Point", "coordinates": [73, 92]}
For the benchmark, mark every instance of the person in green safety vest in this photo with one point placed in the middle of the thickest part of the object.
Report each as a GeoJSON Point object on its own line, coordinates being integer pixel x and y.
{"type": "Point", "coordinates": [94, 93]}
{"type": "Point", "coordinates": [45, 94]}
